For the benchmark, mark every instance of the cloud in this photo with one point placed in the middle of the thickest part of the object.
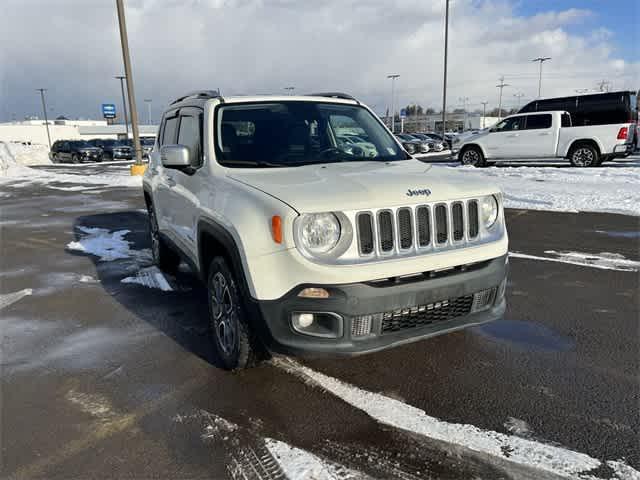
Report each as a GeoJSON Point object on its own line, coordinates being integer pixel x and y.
{"type": "Point", "coordinates": [260, 46]}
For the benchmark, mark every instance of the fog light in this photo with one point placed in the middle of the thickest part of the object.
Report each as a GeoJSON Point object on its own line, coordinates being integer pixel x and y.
{"type": "Point", "coordinates": [483, 300]}
{"type": "Point", "coordinates": [314, 293]}
{"type": "Point", "coordinates": [317, 324]}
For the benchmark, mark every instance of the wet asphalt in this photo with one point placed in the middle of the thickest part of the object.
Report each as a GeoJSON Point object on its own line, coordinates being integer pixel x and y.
{"type": "Point", "coordinates": [102, 379]}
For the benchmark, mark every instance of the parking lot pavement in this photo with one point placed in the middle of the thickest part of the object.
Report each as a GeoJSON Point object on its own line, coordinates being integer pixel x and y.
{"type": "Point", "coordinates": [105, 379]}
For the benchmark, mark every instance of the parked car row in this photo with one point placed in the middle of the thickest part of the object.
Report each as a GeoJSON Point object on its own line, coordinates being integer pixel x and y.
{"type": "Point", "coordinates": [421, 143]}
{"type": "Point", "coordinates": [97, 150]}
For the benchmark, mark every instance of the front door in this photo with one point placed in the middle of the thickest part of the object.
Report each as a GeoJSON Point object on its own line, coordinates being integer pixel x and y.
{"type": "Point", "coordinates": [503, 140]}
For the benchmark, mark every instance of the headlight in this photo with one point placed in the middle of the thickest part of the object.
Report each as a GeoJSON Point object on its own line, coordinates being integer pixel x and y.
{"type": "Point", "coordinates": [409, 147]}
{"type": "Point", "coordinates": [319, 232]}
{"type": "Point", "coordinates": [489, 211]}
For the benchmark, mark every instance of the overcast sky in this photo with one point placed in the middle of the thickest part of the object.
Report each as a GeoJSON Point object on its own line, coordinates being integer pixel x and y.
{"type": "Point", "coordinates": [72, 48]}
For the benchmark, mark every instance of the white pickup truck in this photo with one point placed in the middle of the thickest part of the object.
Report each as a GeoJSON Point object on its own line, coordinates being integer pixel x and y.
{"type": "Point", "coordinates": [548, 135]}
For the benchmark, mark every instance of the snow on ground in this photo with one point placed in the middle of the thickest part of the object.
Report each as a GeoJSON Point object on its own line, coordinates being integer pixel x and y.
{"type": "Point", "coordinates": [22, 155]}
{"type": "Point", "coordinates": [150, 277]}
{"type": "Point", "coordinates": [9, 298]}
{"type": "Point", "coordinates": [604, 260]}
{"type": "Point", "coordinates": [550, 458]}
{"type": "Point", "coordinates": [102, 243]}
{"type": "Point", "coordinates": [614, 187]}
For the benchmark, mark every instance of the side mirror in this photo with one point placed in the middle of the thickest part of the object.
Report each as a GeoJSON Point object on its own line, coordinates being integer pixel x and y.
{"type": "Point", "coordinates": [175, 156]}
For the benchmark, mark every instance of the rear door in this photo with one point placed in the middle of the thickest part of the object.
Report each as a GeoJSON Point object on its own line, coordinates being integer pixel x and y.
{"type": "Point", "coordinates": [539, 137]}
{"type": "Point", "coordinates": [65, 152]}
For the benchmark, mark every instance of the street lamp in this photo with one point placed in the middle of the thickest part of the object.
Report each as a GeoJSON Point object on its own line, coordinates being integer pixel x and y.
{"type": "Point", "coordinates": [484, 112]}
{"type": "Point", "coordinates": [148, 102]}
{"type": "Point", "coordinates": [44, 110]}
{"type": "Point", "coordinates": [124, 103]}
{"type": "Point", "coordinates": [138, 168]}
{"type": "Point", "coordinates": [541, 60]}
{"type": "Point", "coordinates": [444, 84]}
{"type": "Point", "coordinates": [464, 101]}
{"type": "Point", "coordinates": [393, 105]}
{"type": "Point", "coordinates": [518, 95]}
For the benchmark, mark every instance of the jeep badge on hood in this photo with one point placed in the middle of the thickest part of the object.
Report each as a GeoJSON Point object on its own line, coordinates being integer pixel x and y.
{"type": "Point", "coordinates": [422, 191]}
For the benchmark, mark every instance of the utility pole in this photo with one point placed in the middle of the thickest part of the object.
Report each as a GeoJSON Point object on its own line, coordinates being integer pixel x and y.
{"type": "Point", "coordinates": [124, 103]}
{"type": "Point", "coordinates": [501, 86]}
{"type": "Point", "coordinates": [393, 105]}
{"type": "Point", "coordinates": [484, 112]}
{"type": "Point", "coordinates": [289, 90]}
{"type": "Point", "coordinates": [541, 60]}
{"type": "Point", "coordinates": [444, 84]}
{"type": "Point", "coordinates": [44, 109]}
{"type": "Point", "coordinates": [518, 95]}
{"type": "Point", "coordinates": [148, 102]}
{"type": "Point", "coordinates": [464, 101]}
{"type": "Point", "coordinates": [604, 85]}
{"type": "Point", "coordinates": [138, 168]}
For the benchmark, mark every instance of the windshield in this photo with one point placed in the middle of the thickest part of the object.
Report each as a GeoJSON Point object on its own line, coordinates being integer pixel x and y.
{"type": "Point", "coordinates": [294, 133]}
{"type": "Point", "coordinates": [81, 144]}
{"type": "Point", "coordinates": [147, 140]}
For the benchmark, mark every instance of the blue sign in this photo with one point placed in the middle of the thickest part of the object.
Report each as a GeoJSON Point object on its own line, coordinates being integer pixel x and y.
{"type": "Point", "coordinates": [108, 110]}
{"type": "Point", "coordinates": [403, 113]}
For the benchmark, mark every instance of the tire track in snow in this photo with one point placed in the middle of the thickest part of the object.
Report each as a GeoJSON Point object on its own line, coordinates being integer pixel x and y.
{"type": "Point", "coordinates": [555, 460]}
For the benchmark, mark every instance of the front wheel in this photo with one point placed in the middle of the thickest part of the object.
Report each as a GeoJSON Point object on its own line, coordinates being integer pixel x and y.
{"type": "Point", "coordinates": [75, 158]}
{"type": "Point", "coordinates": [584, 155]}
{"type": "Point", "coordinates": [472, 156]}
{"type": "Point", "coordinates": [233, 339]}
{"type": "Point", "coordinates": [166, 259]}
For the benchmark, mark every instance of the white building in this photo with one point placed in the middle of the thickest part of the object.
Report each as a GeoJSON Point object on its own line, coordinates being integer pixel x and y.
{"type": "Point", "coordinates": [35, 131]}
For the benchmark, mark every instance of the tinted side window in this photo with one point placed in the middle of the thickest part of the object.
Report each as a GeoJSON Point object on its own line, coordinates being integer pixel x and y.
{"type": "Point", "coordinates": [169, 132]}
{"type": "Point", "coordinates": [535, 122]}
{"type": "Point", "coordinates": [565, 103]}
{"type": "Point", "coordinates": [529, 107]}
{"type": "Point", "coordinates": [189, 136]}
{"type": "Point", "coordinates": [566, 120]}
{"type": "Point", "coordinates": [602, 109]}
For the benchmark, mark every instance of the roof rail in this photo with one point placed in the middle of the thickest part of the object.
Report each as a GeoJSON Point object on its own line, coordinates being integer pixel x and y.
{"type": "Point", "coordinates": [343, 96]}
{"type": "Point", "coordinates": [199, 94]}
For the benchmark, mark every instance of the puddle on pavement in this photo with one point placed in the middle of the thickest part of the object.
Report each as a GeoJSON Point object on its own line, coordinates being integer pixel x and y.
{"type": "Point", "coordinates": [620, 234]}
{"type": "Point", "coordinates": [526, 335]}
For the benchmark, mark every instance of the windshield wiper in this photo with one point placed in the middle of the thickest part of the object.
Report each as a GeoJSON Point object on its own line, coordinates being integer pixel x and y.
{"type": "Point", "coordinates": [253, 163]}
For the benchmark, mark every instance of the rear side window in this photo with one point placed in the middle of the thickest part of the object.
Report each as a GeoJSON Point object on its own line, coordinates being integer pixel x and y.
{"type": "Point", "coordinates": [602, 109]}
{"type": "Point", "coordinates": [537, 122]}
{"type": "Point", "coordinates": [189, 136]}
{"type": "Point", "coordinates": [169, 132]}
{"type": "Point", "coordinates": [566, 120]}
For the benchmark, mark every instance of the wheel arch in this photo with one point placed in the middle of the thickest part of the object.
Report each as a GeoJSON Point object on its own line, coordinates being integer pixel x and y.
{"type": "Point", "coordinates": [583, 141]}
{"type": "Point", "coordinates": [466, 146]}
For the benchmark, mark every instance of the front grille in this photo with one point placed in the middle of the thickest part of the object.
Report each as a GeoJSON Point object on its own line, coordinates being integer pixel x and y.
{"type": "Point", "coordinates": [424, 315]}
{"type": "Point", "coordinates": [412, 228]}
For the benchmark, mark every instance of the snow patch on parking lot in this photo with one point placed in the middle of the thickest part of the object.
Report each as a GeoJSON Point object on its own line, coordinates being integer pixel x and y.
{"type": "Point", "coordinates": [610, 188]}
{"type": "Point", "coordinates": [102, 243]}
{"type": "Point", "coordinates": [150, 277]}
{"type": "Point", "coordinates": [10, 298]}
{"type": "Point", "coordinates": [553, 459]}
{"type": "Point", "coordinates": [603, 261]}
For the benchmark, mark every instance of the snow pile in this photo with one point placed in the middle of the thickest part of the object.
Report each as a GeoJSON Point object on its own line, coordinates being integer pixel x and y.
{"type": "Point", "coordinates": [150, 277]}
{"type": "Point", "coordinates": [101, 243]}
{"type": "Point", "coordinates": [611, 188]}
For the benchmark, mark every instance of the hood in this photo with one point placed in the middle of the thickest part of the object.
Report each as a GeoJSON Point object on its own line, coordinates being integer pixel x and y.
{"type": "Point", "coordinates": [361, 185]}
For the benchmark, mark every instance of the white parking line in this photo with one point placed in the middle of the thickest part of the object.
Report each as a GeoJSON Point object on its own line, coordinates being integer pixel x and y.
{"type": "Point", "coordinates": [603, 261]}
{"type": "Point", "coordinates": [509, 448]}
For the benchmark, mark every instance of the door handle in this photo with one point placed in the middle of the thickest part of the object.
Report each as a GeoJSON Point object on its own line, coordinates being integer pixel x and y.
{"type": "Point", "coordinates": [544, 133]}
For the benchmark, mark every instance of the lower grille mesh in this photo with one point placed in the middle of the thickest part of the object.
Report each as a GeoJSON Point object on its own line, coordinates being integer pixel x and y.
{"type": "Point", "coordinates": [423, 315]}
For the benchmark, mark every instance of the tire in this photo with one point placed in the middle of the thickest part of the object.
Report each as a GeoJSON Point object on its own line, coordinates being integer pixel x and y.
{"type": "Point", "coordinates": [472, 156]}
{"type": "Point", "coordinates": [55, 158]}
{"type": "Point", "coordinates": [166, 259]}
{"type": "Point", "coordinates": [584, 155]}
{"type": "Point", "coordinates": [75, 158]}
{"type": "Point", "coordinates": [233, 338]}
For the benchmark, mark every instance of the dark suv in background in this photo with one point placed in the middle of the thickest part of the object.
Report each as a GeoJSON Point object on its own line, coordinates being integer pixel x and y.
{"type": "Point", "coordinates": [113, 149]}
{"type": "Point", "coordinates": [74, 151]}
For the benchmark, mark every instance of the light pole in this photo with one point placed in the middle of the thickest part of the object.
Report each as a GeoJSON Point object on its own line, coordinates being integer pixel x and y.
{"type": "Point", "coordinates": [124, 103]}
{"type": "Point", "coordinates": [501, 86]}
{"type": "Point", "coordinates": [148, 102]}
{"type": "Point", "coordinates": [518, 95]}
{"type": "Point", "coordinates": [484, 112]}
{"type": "Point", "coordinates": [444, 84]}
{"type": "Point", "coordinates": [393, 105]}
{"type": "Point", "coordinates": [289, 90]}
{"type": "Point", "coordinates": [464, 101]}
{"type": "Point", "coordinates": [541, 60]}
{"type": "Point", "coordinates": [138, 168]}
{"type": "Point", "coordinates": [44, 109]}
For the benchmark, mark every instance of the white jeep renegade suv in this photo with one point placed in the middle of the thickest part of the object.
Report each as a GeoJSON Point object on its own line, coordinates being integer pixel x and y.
{"type": "Point", "coordinates": [312, 245]}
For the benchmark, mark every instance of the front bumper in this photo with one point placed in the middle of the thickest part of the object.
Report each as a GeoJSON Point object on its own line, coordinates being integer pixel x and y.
{"type": "Point", "coordinates": [91, 157]}
{"type": "Point", "coordinates": [123, 155]}
{"type": "Point", "coordinates": [401, 310]}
